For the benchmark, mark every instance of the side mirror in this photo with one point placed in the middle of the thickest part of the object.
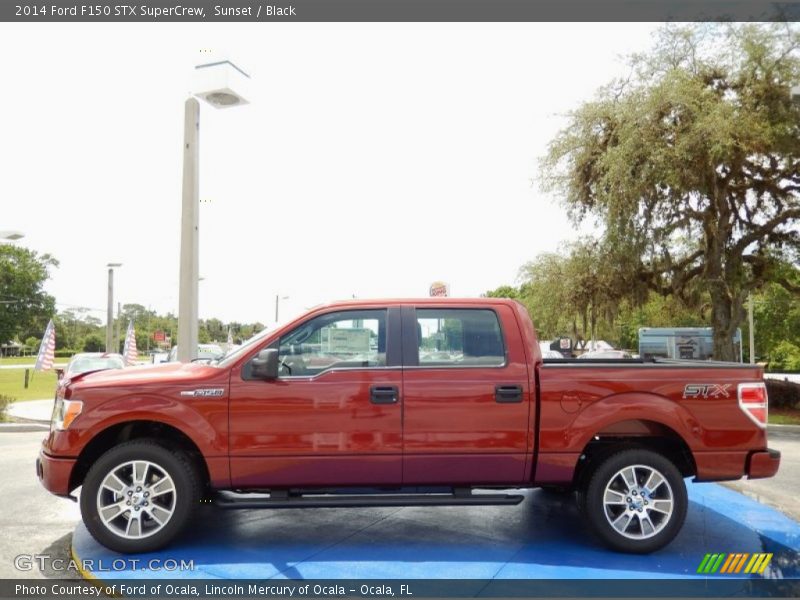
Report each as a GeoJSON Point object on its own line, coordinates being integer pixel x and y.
{"type": "Point", "coordinates": [265, 365]}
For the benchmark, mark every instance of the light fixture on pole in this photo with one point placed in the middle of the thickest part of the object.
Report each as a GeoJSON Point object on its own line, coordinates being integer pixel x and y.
{"type": "Point", "coordinates": [278, 299]}
{"type": "Point", "coordinates": [110, 315]}
{"type": "Point", "coordinates": [220, 83]}
{"type": "Point", "coordinates": [11, 235]}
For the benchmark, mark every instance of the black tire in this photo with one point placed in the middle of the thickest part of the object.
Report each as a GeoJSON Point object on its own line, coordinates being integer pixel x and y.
{"type": "Point", "coordinates": [639, 537]}
{"type": "Point", "coordinates": [183, 501]}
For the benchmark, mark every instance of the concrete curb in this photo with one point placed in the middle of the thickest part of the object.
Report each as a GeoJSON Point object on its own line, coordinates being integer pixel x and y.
{"type": "Point", "coordinates": [23, 427]}
{"type": "Point", "coordinates": [783, 428]}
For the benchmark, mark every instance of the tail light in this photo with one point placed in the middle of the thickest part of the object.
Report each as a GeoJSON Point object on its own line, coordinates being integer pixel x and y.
{"type": "Point", "coordinates": [753, 401]}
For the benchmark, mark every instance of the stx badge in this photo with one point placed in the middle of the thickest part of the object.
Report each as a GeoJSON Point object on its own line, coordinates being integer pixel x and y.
{"type": "Point", "coordinates": [203, 393]}
{"type": "Point", "coordinates": [707, 390]}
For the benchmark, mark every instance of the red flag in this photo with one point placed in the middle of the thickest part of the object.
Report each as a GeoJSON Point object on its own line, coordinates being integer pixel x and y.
{"type": "Point", "coordinates": [129, 352]}
{"type": "Point", "coordinates": [47, 349]}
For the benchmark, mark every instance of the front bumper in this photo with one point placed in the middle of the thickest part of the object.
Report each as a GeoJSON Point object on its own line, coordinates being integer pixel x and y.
{"type": "Point", "coordinates": [763, 463]}
{"type": "Point", "coordinates": [54, 473]}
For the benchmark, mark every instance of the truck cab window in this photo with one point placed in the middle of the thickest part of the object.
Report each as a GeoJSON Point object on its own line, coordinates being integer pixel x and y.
{"type": "Point", "coordinates": [340, 340]}
{"type": "Point", "coordinates": [459, 337]}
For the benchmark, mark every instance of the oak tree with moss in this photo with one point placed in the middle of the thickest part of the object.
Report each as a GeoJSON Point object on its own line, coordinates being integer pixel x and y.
{"type": "Point", "coordinates": [692, 164]}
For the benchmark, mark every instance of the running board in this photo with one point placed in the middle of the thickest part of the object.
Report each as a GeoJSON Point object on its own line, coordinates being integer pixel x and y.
{"type": "Point", "coordinates": [231, 500]}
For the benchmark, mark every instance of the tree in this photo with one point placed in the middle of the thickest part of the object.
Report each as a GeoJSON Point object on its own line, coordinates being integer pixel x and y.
{"type": "Point", "coordinates": [93, 343]}
{"type": "Point", "coordinates": [24, 306]}
{"type": "Point", "coordinates": [692, 164]}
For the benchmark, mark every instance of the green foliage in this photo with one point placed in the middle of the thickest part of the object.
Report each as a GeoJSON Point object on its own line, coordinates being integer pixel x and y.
{"type": "Point", "coordinates": [25, 307]}
{"type": "Point", "coordinates": [785, 357]}
{"type": "Point", "coordinates": [93, 343]}
{"type": "Point", "coordinates": [4, 402]}
{"type": "Point", "coordinates": [693, 165]}
{"type": "Point", "coordinates": [783, 394]}
{"type": "Point", "coordinates": [33, 342]}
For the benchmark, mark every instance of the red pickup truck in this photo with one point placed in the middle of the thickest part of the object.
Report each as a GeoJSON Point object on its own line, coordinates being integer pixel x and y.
{"type": "Point", "coordinates": [402, 402]}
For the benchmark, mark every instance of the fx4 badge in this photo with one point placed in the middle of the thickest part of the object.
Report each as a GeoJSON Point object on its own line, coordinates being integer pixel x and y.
{"type": "Point", "coordinates": [203, 393]}
{"type": "Point", "coordinates": [707, 390]}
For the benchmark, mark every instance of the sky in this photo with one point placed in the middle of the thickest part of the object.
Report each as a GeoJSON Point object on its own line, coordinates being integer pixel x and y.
{"type": "Point", "coordinates": [372, 160]}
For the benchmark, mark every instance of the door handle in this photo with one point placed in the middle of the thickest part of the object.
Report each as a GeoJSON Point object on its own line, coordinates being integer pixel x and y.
{"type": "Point", "coordinates": [508, 393]}
{"type": "Point", "coordinates": [379, 394]}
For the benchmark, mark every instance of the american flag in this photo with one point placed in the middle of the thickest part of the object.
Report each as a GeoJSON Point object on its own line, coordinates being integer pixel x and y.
{"type": "Point", "coordinates": [47, 349]}
{"type": "Point", "coordinates": [129, 352]}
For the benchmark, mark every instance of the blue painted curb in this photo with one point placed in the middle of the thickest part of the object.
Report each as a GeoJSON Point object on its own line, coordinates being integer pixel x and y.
{"type": "Point", "coordinates": [542, 538]}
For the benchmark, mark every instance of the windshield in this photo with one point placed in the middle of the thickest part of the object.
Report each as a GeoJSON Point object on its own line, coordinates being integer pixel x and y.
{"type": "Point", "coordinates": [235, 353]}
{"type": "Point", "coordinates": [81, 365]}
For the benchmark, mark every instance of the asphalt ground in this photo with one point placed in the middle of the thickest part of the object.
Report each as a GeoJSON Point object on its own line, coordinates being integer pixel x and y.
{"type": "Point", "coordinates": [543, 532]}
{"type": "Point", "coordinates": [783, 490]}
{"type": "Point", "coordinates": [32, 521]}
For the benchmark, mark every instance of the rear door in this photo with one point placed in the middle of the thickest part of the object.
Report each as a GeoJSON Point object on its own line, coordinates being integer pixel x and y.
{"type": "Point", "coordinates": [466, 396]}
{"type": "Point", "coordinates": [334, 415]}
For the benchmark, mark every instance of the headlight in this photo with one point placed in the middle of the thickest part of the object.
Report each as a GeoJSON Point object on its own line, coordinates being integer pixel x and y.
{"type": "Point", "coordinates": [64, 413]}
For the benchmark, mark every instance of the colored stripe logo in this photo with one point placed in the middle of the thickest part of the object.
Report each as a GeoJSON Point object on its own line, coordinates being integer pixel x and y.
{"type": "Point", "coordinates": [729, 564]}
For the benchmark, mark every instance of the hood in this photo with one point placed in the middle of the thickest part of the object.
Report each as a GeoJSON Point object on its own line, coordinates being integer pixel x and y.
{"type": "Point", "coordinates": [143, 375]}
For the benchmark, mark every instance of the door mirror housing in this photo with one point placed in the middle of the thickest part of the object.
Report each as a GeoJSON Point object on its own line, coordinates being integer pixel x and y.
{"type": "Point", "coordinates": [265, 365]}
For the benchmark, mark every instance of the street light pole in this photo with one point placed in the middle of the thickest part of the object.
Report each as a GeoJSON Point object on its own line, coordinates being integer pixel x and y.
{"type": "Point", "coordinates": [110, 312]}
{"type": "Point", "coordinates": [190, 235]}
{"type": "Point", "coordinates": [11, 236]}
{"type": "Point", "coordinates": [278, 298]}
{"type": "Point", "coordinates": [752, 330]}
{"type": "Point", "coordinates": [218, 82]}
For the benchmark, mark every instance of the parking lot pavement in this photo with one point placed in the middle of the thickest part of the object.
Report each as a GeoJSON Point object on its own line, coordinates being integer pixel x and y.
{"type": "Point", "coordinates": [783, 490]}
{"type": "Point", "coordinates": [541, 538]}
{"type": "Point", "coordinates": [32, 522]}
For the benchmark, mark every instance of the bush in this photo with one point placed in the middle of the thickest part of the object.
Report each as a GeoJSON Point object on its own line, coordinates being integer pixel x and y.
{"type": "Point", "coordinates": [784, 357]}
{"type": "Point", "coordinates": [783, 394]}
{"type": "Point", "coordinates": [4, 402]}
{"type": "Point", "coordinates": [93, 343]}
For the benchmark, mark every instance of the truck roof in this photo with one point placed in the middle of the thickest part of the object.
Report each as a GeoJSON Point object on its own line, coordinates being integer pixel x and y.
{"type": "Point", "coordinates": [436, 301]}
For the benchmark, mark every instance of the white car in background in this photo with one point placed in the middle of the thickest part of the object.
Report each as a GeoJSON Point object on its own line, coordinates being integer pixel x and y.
{"type": "Point", "coordinates": [206, 352]}
{"type": "Point", "coordinates": [91, 361]}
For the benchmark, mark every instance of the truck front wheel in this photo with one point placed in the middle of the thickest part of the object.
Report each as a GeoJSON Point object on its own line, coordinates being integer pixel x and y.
{"type": "Point", "coordinates": [138, 496]}
{"type": "Point", "coordinates": [635, 501]}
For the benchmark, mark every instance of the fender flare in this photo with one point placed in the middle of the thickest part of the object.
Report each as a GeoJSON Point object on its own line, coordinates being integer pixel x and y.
{"type": "Point", "coordinates": [157, 409]}
{"type": "Point", "coordinates": [630, 406]}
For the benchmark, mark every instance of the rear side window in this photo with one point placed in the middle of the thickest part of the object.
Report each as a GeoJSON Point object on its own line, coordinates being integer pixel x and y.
{"type": "Point", "coordinates": [459, 338]}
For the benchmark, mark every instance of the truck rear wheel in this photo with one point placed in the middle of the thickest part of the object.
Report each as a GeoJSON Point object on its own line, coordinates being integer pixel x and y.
{"type": "Point", "coordinates": [138, 496]}
{"type": "Point", "coordinates": [635, 501]}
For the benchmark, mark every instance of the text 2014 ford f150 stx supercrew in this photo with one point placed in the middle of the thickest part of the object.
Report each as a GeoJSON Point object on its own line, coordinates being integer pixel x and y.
{"type": "Point", "coordinates": [418, 401]}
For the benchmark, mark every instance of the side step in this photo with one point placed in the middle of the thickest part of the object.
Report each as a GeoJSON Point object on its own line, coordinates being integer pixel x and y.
{"type": "Point", "coordinates": [278, 500]}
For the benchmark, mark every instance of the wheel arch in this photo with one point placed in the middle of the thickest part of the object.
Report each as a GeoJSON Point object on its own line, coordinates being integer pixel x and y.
{"type": "Point", "coordinates": [164, 433]}
{"type": "Point", "coordinates": [643, 433]}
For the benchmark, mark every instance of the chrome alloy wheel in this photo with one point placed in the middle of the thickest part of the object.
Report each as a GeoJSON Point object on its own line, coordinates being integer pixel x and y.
{"type": "Point", "coordinates": [136, 499]}
{"type": "Point", "coordinates": [638, 502]}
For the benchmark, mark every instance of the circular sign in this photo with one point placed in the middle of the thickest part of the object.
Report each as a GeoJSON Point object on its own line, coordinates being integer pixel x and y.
{"type": "Point", "coordinates": [439, 289]}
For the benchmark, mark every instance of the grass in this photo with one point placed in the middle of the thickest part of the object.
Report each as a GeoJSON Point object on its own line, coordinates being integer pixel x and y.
{"type": "Point", "coordinates": [25, 360]}
{"type": "Point", "coordinates": [41, 386]}
{"type": "Point", "coordinates": [784, 416]}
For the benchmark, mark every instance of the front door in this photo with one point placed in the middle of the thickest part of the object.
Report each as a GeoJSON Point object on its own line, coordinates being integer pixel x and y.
{"type": "Point", "coordinates": [334, 415]}
{"type": "Point", "coordinates": [467, 406]}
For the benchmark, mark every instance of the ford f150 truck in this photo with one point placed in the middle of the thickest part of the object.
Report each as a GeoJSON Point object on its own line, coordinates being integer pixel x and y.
{"type": "Point", "coordinates": [402, 402]}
